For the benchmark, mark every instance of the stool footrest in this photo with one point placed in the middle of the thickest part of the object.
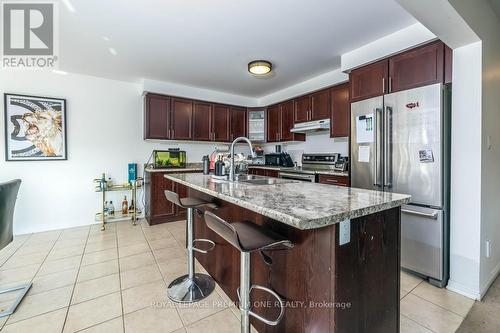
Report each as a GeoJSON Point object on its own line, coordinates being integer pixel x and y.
{"type": "Point", "coordinates": [275, 295]}
{"type": "Point", "coordinates": [202, 240]}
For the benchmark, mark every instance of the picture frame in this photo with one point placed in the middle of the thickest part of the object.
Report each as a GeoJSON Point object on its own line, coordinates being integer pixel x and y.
{"type": "Point", "coordinates": [35, 128]}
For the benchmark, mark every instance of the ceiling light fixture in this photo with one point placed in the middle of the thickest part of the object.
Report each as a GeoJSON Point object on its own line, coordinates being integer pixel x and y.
{"type": "Point", "coordinates": [260, 67]}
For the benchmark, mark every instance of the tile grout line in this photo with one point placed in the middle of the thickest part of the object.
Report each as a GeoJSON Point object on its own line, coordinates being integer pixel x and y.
{"type": "Point", "coordinates": [439, 306]}
{"type": "Point", "coordinates": [31, 280]}
{"type": "Point", "coordinates": [162, 277]}
{"type": "Point", "coordinates": [419, 324]}
{"type": "Point", "coordinates": [120, 277]}
{"type": "Point", "coordinates": [76, 279]}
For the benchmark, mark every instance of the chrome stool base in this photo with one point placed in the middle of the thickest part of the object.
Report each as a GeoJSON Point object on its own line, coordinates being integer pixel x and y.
{"type": "Point", "coordinates": [188, 290]}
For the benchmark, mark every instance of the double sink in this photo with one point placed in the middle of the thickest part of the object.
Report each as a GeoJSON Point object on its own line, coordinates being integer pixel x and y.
{"type": "Point", "coordinates": [260, 180]}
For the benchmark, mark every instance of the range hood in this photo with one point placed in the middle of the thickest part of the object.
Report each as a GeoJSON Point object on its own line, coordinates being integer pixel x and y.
{"type": "Point", "coordinates": [312, 126]}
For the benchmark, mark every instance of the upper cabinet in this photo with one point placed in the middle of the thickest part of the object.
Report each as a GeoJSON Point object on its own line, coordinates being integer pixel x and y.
{"type": "Point", "coordinates": [202, 125]}
{"type": "Point", "coordinates": [273, 117]}
{"type": "Point", "coordinates": [340, 111]}
{"type": "Point", "coordinates": [421, 66]}
{"type": "Point", "coordinates": [181, 119]}
{"type": "Point", "coordinates": [280, 120]}
{"type": "Point", "coordinates": [369, 81]}
{"type": "Point", "coordinates": [320, 105]}
{"type": "Point", "coordinates": [157, 117]}
{"type": "Point", "coordinates": [239, 122]}
{"type": "Point", "coordinates": [302, 109]}
{"type": "Point", "coordinates": [418, 67]}
{"type": "Point", "coordinates": [220, 123]}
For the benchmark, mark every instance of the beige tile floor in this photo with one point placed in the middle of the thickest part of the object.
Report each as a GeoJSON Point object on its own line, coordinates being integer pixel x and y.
{"type": "Point", "coordinates": [85, 280]}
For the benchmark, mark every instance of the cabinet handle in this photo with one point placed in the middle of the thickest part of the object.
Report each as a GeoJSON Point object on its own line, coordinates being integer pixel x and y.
{"type": "Point", "coordinates": [390, 83]}
{"type": "Point", "coordinates": [383, 85]}
{"type": "Point", "coordinates": [173, 132]}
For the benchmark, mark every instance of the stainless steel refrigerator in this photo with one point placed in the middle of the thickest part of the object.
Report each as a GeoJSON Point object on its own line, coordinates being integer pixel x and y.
{"type": "Point", "coordinates": [400, 143]}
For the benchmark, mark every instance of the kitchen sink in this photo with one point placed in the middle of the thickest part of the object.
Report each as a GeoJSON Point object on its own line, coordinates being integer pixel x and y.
{"type": "Point", "coordinates": [260, 180]}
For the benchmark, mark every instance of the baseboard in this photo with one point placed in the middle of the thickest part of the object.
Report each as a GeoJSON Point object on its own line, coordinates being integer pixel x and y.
{"type": "Point", "coordinates": [463, 290]}
{"type": "Point", "coordinates": [493, 276]}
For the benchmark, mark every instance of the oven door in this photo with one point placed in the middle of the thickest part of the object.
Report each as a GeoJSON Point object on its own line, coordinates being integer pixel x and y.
{"type": "Point", "coordinates": [298, 176]}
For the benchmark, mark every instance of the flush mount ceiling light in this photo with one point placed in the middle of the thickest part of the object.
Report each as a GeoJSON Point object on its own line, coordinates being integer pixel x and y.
{"type": "Point", "coordinates": [260, 67]}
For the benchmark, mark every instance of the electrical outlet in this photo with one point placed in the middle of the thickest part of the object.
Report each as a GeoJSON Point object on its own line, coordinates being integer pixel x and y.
{"type": "Point", "coordinates": [488, 249]}
{"type": "Point", "coordinates": [344, 232]}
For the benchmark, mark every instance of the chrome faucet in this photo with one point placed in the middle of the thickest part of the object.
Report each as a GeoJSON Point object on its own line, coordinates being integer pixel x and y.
{"type": "Point", "coordinates": [232, 176]}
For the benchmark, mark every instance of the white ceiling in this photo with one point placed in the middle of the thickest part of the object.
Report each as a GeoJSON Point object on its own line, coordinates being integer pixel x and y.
{"type": "Point", "coordinates": [209, 43]}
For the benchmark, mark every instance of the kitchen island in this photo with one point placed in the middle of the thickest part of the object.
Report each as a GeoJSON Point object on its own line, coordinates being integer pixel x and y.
{"type": "Point", "coordinates": [342, 274]}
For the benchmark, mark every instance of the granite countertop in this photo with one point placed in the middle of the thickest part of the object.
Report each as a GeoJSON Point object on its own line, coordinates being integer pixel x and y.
{"type": "Point", "coordinates": [190, 167]}
{"type": "Point", "coordinates": [312, 172]}
{"type": "Point", "coordinates": [298, 204]}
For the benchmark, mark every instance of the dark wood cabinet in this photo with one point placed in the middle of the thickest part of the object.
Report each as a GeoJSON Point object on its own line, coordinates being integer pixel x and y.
{"type": "Point", "coordinates": [334, 180]}
{"type": "Point", "coordinates": [273, 123]}
{"type": "Point", "coordinates": [302, 109]}
{"type": "Point", "coordinates": [272, 173]}
{"type": "Point", "coordinates": [220, 123]}
{"type": "Point", "coordinates": [448, 64]}
{"type": "Point", "coordinates": [157, 114]}
{"type": "Point", "coordinates": [369, 81]}
{"type": "Point", "coordinates": [280, 120]}
{"type": "Point", "coordinates": [157, 208]}
{"type": "Point", "coordinates": [238, 122]}
{"type": "Point", "coordinates": [418, 67]}
{"type": "Point", "coordinates": [264, 172]}
{"type": "Point", "coordinates": [320, 105]}
{"type": "Point", "coordinates": [181, 116]}
{"type": "Point", "coordinates": [340, 111]}
{"type": "Point", "coordinates": [202, 125]}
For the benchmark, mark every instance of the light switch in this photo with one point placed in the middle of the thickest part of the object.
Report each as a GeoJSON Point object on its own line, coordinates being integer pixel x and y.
{"type": "Point", "coordinates": [344, 232]}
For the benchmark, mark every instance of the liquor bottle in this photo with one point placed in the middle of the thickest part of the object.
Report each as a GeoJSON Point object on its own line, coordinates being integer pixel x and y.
{"type": "Point", "coordinates": [111, 208]}
{"type": "Point", "coordinates": [131, 208]}
{"type": "Point", "coordinates": [125, 206]}
{"type": "Point", "coordinates": [106, 208]}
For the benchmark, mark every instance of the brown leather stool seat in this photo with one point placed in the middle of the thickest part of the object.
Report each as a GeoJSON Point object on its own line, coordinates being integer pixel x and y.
{"type": "Point", "coordinates": [249, 237]}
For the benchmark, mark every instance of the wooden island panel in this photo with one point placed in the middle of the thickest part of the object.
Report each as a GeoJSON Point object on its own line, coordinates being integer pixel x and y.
{"type": "Point", "coordinates": [363, 273]}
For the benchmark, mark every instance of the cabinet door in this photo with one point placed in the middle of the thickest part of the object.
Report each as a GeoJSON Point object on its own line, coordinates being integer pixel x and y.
{"type": "Point", "coordinates": [302, 109]}
{"type": "Point", "coordinates": [181, 119]}
{"type": "Point", "coordinates": [286, 121]}
{"type": "Point", "coordinates": [238, 122]}
{"type": "Point", "coordinates": [182, 191]}
{"type": "Point", "coordinates": [416, 68]}
{"type": "Point", "coordinates": [320, 105]}
{"type": "Point", "coordinates": [340, 110]}
{"type": "Point", "coordinates": [272, 173]}
{"type": "Point", "coordinates": [369, 81]}
{"type": "Point", "coordinates": [260, 172]}
{"type": "Point", "coordinates": [160, 206]}
{"type": "Point", "coordinates": [202, 128]}
{"type": "Point", "coordinates": [273, 123]}
{"type": "Point", "coordinates": [156, 121]}
{"type": "Point", "coordinates": [220, 123]}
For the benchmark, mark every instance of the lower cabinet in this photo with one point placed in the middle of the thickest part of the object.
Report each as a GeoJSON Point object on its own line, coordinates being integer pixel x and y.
{"type": "Point", "coordinates": [264, 172]}
{"type": "Point", "coordinates": [334, 180]}
{"type": "Point", "coordinates": [157, 208]}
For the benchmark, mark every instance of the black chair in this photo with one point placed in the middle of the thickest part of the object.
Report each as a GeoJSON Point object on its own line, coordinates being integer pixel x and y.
{"type": "Point", "coordinates": [8, 196]}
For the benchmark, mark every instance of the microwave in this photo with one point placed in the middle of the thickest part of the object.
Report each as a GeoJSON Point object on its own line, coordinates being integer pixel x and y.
{"type": "Point", "coordinates": [172, 158]}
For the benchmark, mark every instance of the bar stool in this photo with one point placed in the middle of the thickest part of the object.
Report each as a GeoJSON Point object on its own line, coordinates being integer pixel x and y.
{"type": "Point", "coordinates": [191, 287]}
{"type": "Point", "coordinates": [248, 237]}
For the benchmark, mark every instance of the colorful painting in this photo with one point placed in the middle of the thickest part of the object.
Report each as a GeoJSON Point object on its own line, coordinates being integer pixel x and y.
{"type": "Point", "coordinates": [35, 128]}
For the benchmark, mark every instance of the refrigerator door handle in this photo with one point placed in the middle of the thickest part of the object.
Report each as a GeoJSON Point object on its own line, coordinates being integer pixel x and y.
{"type": "Point", "coordinates": [388, 147]}
{"type": "Point", "coordinates": [377, 154]}
{"type": "Point", "coordinates": [432, 216]}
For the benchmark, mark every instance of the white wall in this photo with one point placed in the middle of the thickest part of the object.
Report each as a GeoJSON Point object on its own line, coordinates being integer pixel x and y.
{"type": "Point", "coordinates": [465, 240]}
{"type": "Point", "coordinates": [386, 46]}
{"type": "Point", "coordinates": [104, 131]}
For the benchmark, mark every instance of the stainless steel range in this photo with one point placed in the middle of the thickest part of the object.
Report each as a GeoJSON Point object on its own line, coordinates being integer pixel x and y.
{"type": "Point", "coordinates": [311, 164]}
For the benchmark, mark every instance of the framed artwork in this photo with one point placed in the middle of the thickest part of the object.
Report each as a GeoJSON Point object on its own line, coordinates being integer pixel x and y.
{"type": "Point", "coordinates": [35, 128]}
